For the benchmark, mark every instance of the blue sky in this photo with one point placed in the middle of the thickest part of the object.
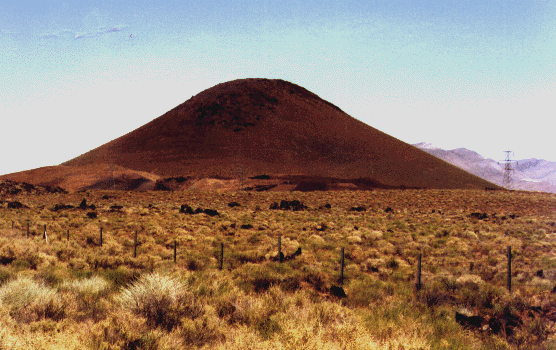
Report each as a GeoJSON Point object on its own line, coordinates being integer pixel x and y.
{"type": "Point", "coordinates": [473, 74]}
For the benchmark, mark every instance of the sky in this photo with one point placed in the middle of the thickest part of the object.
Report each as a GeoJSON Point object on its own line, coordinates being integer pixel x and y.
{"type": "Point", "coordinates": [478, 74]}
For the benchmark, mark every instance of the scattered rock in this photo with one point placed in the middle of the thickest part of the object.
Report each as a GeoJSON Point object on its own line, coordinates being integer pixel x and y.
{"type": "Point", "coordinates": [469, 321]}
{"type": "Point", "coordinates": [234, 204]}
{"type": "Point", "coordinates": [116, 207]}
{"type": "Point", "coordinates": [62, 207]}
{"type": "Point", "coordinates": [188, 210]}
{"type": "Point", "coordinates": [83, 205]}
{"type": "Point", "coordinates": [540, 273]}
{"type": "Point", "coordinates": [294, 205]}
{"type": "Point", "coordinates": [358, 209]}
{"type": "Point", "coordinates": [16, 205]}
{"type": "Point", "coordinates": [480, 216]}
{"type": "Point", "coordinates": [246, 226]}
{"type": "Point", "coordinates": [210, 212]}
{"type": "Point", "coordinates": [337, 292]}
{"type": "Point", "coordinates": [92, 215]}
{"type": "Point", "coordinates": [388, 209]}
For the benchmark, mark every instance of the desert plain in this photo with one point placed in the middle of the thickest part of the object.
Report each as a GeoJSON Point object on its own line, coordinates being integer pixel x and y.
{"type": "Point", "coordinates": [71, 290]}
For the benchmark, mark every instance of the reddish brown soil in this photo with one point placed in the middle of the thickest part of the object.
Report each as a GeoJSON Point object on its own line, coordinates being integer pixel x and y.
{"type": "Point", "coordinates": [268, 127]}
{"type": "Point", "coordinates": [92, 176]}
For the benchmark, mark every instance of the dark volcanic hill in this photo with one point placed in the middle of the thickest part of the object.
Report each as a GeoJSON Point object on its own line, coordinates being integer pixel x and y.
{"type": "Point", "coordinates": [272, 127]}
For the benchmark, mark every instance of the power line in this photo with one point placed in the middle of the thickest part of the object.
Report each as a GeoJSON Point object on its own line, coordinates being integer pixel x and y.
{"type": "Point", "coordinates": [507, 179]}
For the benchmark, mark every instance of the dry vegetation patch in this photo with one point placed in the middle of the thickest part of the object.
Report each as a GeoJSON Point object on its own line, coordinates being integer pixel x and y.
{"type": "Point", "coordinates": [77, 291]}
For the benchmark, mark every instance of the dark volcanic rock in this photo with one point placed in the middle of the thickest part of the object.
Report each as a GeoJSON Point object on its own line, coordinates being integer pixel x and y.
{"type": "Point", "coordinates": [469, 321]}
{"type": "Point", "coordinates": [358, 209]}
{"type": "Point", "coordinates": [480, 216]}
{"type": "Point", "coordinates": [62, 207]}
{"type": "Point", "coordinates": [16, 205]}
{"type": "Point", "coordinates": [211, 212]}
{"type": "Point", "coordinates": [337, 292]}
{"type": "Point", "coordinates": [294, 205]}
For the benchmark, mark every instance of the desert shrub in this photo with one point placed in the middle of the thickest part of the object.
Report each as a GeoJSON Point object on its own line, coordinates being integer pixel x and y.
{"type": "Point", "coordinates": [267, 327]}
{"type": "Point", "coordinates": [203, 330]}
{"type": "Point", "coordinates": [8, 252]}
{"type": "Point", "coordinates": [196, 262]}
{"type": "Point", "coordinates": [5, 275]}
{"type": "Point", "coordinates": [480, 295]}
{"type": "Point", "coordinates": [434, 294]}
{"type": "Point", "coordinates": [365, 291]}
{"type": "Point", "coordinates": [61, 251]}
{"type": "Point", "coordinates": [87, 288]}
{"type": "Point", "coordinates": [121, 330]}
{"type": "Point", "coordinates": [51, 275]}
{"type": "Point", "coordinates": [317, 279]}
{"type": "Point", "coordinates": [32, 258]}
{"type": "Point", "coordinates": [257, 278]}
{"type": "Point", "coordinates": [162, 299]}
{"type": "Point", "coordinates": [121, 276]}
{"type": "Point", "coordinates": [104, 261]}
{"type": "Point", "coordinates": [87, 293]}
{"type": "Point", "coordinates": [30, 301]}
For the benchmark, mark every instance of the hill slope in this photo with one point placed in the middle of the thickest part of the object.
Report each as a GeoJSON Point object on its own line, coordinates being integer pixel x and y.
{"type": "Point", "coordinates": [272, 127]}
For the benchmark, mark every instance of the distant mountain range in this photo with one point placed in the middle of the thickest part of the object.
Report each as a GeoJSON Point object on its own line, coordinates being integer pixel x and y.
{"type": "Point", "coordinates": [529, 174]}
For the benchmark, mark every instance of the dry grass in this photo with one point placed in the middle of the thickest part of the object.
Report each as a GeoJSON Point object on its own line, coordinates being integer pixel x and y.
{"type": "Point", "coordinates": [76, 293]}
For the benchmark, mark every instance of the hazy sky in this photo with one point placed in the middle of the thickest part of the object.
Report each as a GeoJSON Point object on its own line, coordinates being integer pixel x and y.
{"type": "Point", "coordinates": [474, 74]}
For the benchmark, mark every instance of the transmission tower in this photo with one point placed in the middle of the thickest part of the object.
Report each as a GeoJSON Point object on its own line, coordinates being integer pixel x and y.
{"type": "Point", "coordinates": [507, 180]}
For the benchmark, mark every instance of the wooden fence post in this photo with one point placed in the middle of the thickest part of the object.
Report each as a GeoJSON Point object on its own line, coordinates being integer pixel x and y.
{"type": "Point", "coordinates": [342, 268]}
{"type": "Point", "coordinates": [68, 235]}
{"type": "Point", "coordinates": [101, 236]}
{"type": "Point", "coordinates": [44, 234]}
{"type": "Point", "coordinates": [419, 273]}
{"type": "Point", "coordinates": [12, 226]}
{"type": "Point", "coordinates": [27, 229]}
{"type": "Point", "coordinates": [221, 255]}
{"type": "Point", "coordinates": [135, 245]}
{"type": "Point", "coordinates": [509, 269]}
{"type": "Point", "coordinates": [175, 251]}
{"type": "Point", "coordinates": [280, 249]}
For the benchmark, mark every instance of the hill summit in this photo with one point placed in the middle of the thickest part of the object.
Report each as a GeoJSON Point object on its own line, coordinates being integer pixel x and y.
{"type": "Point", "coordinates": [276, 128]}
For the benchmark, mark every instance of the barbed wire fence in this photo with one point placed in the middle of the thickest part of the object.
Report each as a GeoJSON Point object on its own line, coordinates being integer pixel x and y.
{"type": "Point", "coordinates": [421, 278]}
